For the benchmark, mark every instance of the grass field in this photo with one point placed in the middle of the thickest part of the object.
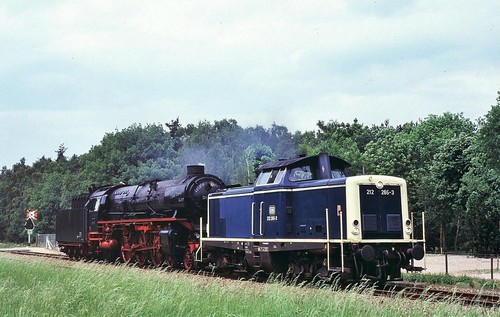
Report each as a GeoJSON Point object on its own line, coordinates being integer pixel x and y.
{"type": "Point", "coordinates": [9, 245]}
{"type": "Point", "coordinates": [450, 280]}
{"type": "Point", "coordinates": [41, 288]}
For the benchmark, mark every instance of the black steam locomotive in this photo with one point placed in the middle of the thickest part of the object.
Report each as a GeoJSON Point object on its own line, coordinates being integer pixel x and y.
{"type": "Point", "coordinates": [303, 216]}
{"type": "Point", "coordinates": [153, 221]}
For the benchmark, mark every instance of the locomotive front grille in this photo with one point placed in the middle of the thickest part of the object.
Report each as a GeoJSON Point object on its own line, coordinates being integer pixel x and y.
{"type": "Point", "coordinates": [393, 222]}
{"type": "Point", "coordinates": [370, 222]}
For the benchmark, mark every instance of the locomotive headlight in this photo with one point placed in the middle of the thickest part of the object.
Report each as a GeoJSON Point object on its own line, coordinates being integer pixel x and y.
{"type": "Point", "coordinates": [379, 185]}
{"type": "Point", "coordinates": [355, 229]}
{"type": "Point", "coordinates": [408, 226]}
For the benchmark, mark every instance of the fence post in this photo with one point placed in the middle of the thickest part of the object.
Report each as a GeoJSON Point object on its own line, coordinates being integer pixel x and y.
{"type": "Point", "coordinates": [446, 260]}
{"type": "Point", "coordinates": [492, 266]}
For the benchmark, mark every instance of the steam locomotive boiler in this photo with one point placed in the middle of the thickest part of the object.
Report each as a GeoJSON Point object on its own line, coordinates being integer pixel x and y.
{"type": "Point", "coordinates": [153, 221]}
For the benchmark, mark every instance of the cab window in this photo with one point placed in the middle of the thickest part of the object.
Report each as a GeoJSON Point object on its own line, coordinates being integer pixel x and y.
{"type": "Point", "coordinates": [301, 173]}
{"type": "Point", "coordinates": [263, 177]}
{"type": "Point", "coordinates": [270, 177]}
{"type": "Point", "coordinates": [93, 204]}
{"type": "Point", "coordinates": [337, 173]}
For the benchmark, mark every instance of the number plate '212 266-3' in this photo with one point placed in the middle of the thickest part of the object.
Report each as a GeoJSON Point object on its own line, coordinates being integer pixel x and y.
{"type": "Point", "coordinates": [383, 192]}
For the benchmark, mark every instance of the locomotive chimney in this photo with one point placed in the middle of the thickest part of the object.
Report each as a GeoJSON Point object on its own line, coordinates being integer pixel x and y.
{"type": "Point", "coordinates": [193, 170]}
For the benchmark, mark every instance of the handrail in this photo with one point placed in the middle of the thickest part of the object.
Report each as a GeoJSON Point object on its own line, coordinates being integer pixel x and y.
{"type": "Point", "coordinates": [412, 235]}
{"type": "Point", "coordinates": [252, 220]}
{"type": "Point", "coordinates": [260, 222]}
{"type": "Point", "coordinates": [423, 238]}
{"type": "Point", "coordinates": [327, 240]}
{"type": "Point", "coordinates": [200, 248]}
{"type": "Point", "coordinates": [412, 229]}
{"type": "Point", "coordinates": [341, 239]}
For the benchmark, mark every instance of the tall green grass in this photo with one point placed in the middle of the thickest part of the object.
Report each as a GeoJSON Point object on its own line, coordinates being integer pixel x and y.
{"type": "Point", "coordinates": [445, 279]}
{"type": "Point", "coordinates": [9, 245]}
{"type": "Point", "coordinates": [41, 288]}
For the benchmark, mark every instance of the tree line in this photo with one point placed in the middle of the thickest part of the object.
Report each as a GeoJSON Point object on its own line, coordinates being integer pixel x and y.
{"type": "Point", "coordinates": [451, 165]}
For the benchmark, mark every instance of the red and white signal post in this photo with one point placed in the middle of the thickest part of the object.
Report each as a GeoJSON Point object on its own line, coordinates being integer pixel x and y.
{"type": "Point", "coordinates": [29, 225]}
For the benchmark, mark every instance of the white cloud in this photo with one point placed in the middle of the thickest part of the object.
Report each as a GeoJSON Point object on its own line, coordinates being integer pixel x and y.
{"type": "Point", "coordinates": [113, 63]}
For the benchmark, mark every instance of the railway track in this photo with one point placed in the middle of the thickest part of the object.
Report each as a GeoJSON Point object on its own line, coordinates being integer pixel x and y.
{"type": "Point", "coordinates": [29, 252]}
{"type": "Point", "coordinates": [391, 289]}
{"type": "Point", "coordinates": [432, 293]}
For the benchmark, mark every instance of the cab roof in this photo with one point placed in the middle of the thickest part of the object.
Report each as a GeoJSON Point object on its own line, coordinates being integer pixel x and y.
{"type": "Point", "coordinates": [335, 162]}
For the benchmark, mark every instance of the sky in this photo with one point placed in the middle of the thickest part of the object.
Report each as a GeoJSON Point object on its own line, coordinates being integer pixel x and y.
{"type": "Point", "coordinates": [72, 71]}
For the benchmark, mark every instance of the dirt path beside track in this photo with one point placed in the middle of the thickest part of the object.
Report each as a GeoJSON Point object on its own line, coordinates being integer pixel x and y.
{"type": "Point", "coordinates": [460, 265]}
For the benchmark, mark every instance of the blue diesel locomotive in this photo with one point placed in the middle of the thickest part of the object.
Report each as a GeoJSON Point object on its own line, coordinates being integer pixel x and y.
{"type": "Point", "coordinates": [305, 216]}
